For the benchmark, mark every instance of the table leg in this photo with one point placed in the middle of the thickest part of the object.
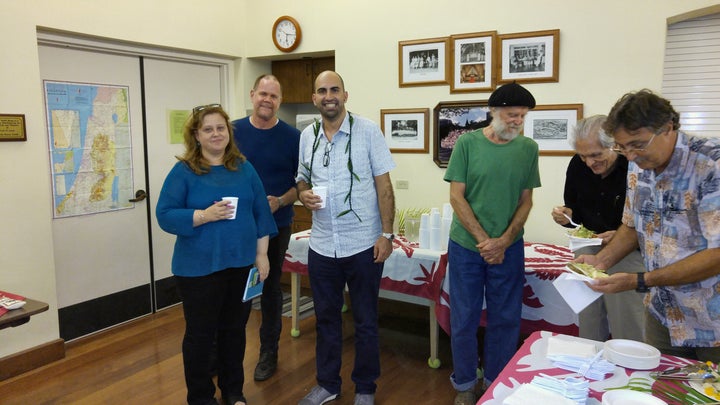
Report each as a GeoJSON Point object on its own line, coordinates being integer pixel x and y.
{"type": "Point", "coordinates": [433, 361]}
{"type": "Point", "coordinates": [294, 300]}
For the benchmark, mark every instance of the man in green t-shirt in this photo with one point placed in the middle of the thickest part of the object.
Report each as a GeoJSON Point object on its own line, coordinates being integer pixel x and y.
{"type": "Point", "coordinates": [492, 172]}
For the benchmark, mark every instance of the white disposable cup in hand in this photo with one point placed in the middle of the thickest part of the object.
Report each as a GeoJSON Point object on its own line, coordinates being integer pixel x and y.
{"type": "Point", "coordinates": [320, 191]}
{"type": "Point", "coordinates": [233, 202]}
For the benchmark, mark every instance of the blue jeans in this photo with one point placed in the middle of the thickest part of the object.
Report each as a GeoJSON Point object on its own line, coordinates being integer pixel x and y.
{"type": "Point", "coordinates": [328, 277]}
{"type": "Point", "coordinates": [213, 307]}
{"type": "Point", "coordinates": [501, 286]}
{"type": "Point", "coordinates": [271, 300]}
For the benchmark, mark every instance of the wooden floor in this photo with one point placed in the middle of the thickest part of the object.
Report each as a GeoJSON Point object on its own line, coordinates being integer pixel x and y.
{"type": "Point", "coordinates": [141, 363]}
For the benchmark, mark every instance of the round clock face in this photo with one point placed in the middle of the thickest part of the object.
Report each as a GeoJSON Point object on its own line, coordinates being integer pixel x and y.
{"type": "Point", "coordinates": [286, 34]}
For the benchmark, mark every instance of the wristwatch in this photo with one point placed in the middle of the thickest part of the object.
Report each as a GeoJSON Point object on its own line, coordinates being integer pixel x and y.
{"type": "Point", "coordinates": [389, 236]}
{"type": "Point", "coordinates": [641, 287]}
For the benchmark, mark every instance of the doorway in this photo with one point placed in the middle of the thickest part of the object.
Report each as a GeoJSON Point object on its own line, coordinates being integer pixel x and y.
{"type": "Point", "coordinates": [114, 266]}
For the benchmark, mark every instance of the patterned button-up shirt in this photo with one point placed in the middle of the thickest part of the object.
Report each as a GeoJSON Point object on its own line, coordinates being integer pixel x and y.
{"type": "Point", "coordinates": [676, 214]}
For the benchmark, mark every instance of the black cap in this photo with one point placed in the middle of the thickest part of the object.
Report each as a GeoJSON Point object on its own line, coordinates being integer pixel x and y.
{"type": "Point", "coordinates": [511, 95]}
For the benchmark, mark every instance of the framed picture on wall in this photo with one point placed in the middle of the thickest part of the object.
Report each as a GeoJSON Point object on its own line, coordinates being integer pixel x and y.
{"type": "Point", "coordinates": [529, 57]}
{"type": "Point", "coordinates": [406, 130]}
{"type": "Point", "coordinates": [452, 120]}
{"type": "Point", "coordinates": [473, 62]}
{"type": "Point", "coordinates": [550, 126]}
{"type": "Point", "coordinates": [423, 62]}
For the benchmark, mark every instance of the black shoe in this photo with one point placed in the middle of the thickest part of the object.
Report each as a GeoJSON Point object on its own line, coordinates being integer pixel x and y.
{"type": "Point", "coordinates": [266, 366]}
{"type": "Point", "coordinates": [232, 399]}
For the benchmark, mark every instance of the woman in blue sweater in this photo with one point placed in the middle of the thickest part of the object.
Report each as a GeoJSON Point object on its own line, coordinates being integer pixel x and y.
{"type": "Point", "coordinates": [213, 253]}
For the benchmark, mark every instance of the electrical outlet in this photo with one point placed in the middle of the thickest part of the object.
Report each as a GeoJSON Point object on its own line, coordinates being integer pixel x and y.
{"type": "Point", "coordinates": [402, 184]}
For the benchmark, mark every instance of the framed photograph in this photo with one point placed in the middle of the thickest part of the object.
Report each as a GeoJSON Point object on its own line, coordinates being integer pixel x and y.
{"type": "Point", "coordinates": [406, 130]}
{"type": "Point", "coordinates": [529, 57]}
{"type": "Point", "coordinates": [12, 128]}
{"type": "Point", "coordinates": [423, 62]}
{"type": "Point", "coordinates": [452, 119]}
{"type": "Point", "coordinates": [473, 62]}
{"type": "Point", "coordinates": [550, 126]}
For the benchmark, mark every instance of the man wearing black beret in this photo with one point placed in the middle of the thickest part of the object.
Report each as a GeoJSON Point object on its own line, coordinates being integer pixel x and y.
{"type": "Point", "coordinates": [492, 172]}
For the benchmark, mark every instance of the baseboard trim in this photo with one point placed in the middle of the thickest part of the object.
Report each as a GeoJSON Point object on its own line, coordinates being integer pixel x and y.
{"type": "Point", "coordinates": [32, 358]}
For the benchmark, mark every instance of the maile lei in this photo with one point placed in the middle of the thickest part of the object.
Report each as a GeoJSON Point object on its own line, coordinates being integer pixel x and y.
{"type": "Point", "coordinates": [348, 151]}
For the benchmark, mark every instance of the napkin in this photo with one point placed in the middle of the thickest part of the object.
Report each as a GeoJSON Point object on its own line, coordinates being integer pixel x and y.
{"type": "Point", "coordinates": [578, 243]}
{"type": "Point", "coordinates": [573, 290]}
{"type": "Point", "coordinates": [531, 394]}
{"type": "Point", "coordinates": [557, 346]}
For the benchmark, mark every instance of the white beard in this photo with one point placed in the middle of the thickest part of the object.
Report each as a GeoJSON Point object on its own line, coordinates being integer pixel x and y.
{"type": "Point", "coordinates": [503, 132]}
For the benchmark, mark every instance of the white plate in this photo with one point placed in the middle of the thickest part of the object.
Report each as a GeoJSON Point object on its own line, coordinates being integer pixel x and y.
{"type": "Point", "coordinates": [630, 397]}
{"type": "Point", "coordinates": [698, 386]}
{"type": "Point", "coordinates": [632, 354]}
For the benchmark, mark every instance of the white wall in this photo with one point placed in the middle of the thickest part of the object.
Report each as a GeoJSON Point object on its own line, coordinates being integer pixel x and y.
{"type": "Point", "coordinates": [606, 49]}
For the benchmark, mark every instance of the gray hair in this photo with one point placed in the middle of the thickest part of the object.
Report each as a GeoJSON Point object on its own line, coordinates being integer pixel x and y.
{"type": "Point", "coordinates": [591, 128]}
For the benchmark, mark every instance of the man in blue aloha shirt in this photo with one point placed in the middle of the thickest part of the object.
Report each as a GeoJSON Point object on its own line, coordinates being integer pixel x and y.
{"type": "Point", "coordinates": [672, 212]}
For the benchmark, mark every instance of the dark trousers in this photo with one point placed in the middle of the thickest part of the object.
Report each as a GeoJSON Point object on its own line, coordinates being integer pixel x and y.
{"type": "Point", "coordinates": [271, 300]}
{"type": "Point", "coordinates": [328, 277]}
{"type": "Point", "coordinates": [213, 307]}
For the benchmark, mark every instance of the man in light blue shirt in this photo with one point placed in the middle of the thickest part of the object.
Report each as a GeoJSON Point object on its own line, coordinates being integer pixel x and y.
{"type": "Point", "coordinates": [351, 235]}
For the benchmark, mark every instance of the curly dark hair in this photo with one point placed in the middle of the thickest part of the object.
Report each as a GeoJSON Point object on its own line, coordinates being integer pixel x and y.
{"type": "Point", "coordinates": [641, 109]}
{"type": "Point", "coordinates": [193, 153]}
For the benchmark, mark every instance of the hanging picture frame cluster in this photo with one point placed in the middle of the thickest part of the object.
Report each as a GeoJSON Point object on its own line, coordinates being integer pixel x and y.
{"type": "Point", "coordinates": [479, 61]}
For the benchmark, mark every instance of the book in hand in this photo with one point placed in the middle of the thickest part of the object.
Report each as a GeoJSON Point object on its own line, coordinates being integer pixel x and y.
{"type": "Point", "coordinates": [254, 286]}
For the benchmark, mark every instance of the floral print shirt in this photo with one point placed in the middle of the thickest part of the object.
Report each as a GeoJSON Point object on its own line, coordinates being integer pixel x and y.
{"type": "Point", "coordinates": [676, 214]}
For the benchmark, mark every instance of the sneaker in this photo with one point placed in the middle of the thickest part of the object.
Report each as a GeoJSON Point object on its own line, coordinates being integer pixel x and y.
{"type": "Point", "coordinates": [364, 399]}
{"type": "Point", "coordinates": [465, 398]}
{"type": "Point", "coordinates": [266, 366]}
{"type": "Point", "coordinates": [317, 396]}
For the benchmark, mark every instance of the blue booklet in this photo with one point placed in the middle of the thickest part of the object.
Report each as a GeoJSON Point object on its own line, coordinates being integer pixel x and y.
{"type": "Point", "coordinates": [254, 286]}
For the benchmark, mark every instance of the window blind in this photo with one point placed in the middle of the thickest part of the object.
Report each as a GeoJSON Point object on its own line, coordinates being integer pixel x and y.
{"type": "Point", "coordinates": [691, 73]}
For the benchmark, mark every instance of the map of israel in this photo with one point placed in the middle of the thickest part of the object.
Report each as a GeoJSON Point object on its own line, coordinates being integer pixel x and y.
{"type": "Point", "coordinates": [90, 147]}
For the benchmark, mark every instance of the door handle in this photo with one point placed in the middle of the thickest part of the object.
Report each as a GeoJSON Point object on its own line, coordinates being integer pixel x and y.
{"type": "Point", "coordinates": [139, 196]}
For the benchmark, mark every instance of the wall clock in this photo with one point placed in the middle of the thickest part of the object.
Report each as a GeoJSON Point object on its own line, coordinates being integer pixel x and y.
{"type": "Point", "coordinates": [286, 33]}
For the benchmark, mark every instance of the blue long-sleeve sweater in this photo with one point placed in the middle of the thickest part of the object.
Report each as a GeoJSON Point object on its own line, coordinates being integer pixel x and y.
{"type": "Point", "coordinates": [218, 245]}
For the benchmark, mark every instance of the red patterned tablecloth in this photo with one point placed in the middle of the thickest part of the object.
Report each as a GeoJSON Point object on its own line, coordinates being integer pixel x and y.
{"type": "Point", "coordinates": [421, 273]}
{"type": "Point", "coordinates": [531, 360]}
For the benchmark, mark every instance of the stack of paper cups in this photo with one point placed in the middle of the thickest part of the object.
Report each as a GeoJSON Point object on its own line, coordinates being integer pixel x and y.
{"type": "Point", "coordinates": [435, 229]}
{"type": "Point", "coordinates": [447, 211]}
{"type": "Point", "coordinates": [424, 231]}
{"type": "Point", "coordinates": [445, 232]}
{"type": "Point", "coordinates": [447, 214]}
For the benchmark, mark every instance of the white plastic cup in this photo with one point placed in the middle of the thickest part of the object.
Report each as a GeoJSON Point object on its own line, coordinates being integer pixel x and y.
{"type": "Point", "coordinates": [320, 191]}
{"type": "Point", "coordinates": [424, 221]}
{"type": "Point", "coordinates": [435, 238]}
{"type": "Point", "coordinates": [233, 203]}
{"type": "Point", "coordinates": [412, 229]}
{"type": "Point", "coordinates": [447, 211]}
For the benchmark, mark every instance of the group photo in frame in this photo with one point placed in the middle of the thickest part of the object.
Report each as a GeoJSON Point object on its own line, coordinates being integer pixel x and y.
{"type": "Point", "coordinates": [473, 62]}
{"type": "Point", "coordinates": [529, 57]}
{"type": "Point", "coordinates": [453, 119]}
{"type": "Point", "coordinates": [550, 126]}
{"type": "Point", "coordinates": [423, 62]}
{"type": "Point", "coordinates": [406, 130]}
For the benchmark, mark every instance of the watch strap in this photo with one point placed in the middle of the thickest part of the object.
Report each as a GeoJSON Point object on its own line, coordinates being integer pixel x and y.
{"type": "Point", "coordinates": [388, 236]}
{"type": "Point", "coordinates": [641, 286]}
